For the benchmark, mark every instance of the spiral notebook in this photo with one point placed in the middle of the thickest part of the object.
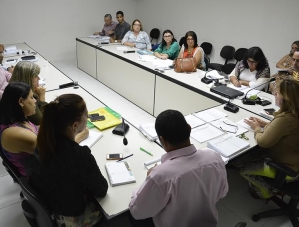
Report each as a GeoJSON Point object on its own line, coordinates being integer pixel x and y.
{"type": "Point", "coordinates": [119, 173]}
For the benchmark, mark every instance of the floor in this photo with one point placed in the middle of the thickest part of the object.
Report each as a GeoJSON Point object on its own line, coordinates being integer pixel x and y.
{"type": "Point", "coordinates": [237, 206]}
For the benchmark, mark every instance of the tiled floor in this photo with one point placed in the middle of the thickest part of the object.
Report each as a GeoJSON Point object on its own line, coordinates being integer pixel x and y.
{"type": "Point", "coordinates": [237, 206]}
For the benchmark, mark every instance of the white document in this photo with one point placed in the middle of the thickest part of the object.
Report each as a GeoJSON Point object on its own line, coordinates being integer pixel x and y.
{"type": "Point", "coordinates": [194, 121]}
{"type": "Point", "coordinates": [228, 145]}
{"type": "Point", "coordinates": [92, 138]}
{"type": "Point", "coordinates": [229, 127]}
{"type": "Point", "coordinates": [94, 36]}
{"type": "Point", "coordinates": [122, 48]}
{"type": "Point", "coordinates": [162, 64]}
{"type": "Point", "coordinates": [205, 133]}
{"type": "Point", "coordinates": [244, 125]}
{"type": "Point", "coordinates": [210, 115]}
{"type": "Point", "coordinates": [149, 131]}
{"type": "Point", "coordinates": [119, 173]}
{"type": "Point", "coordinates": [152, 163]}
{"type": "Point", "coordinates": [214, 75]}
{"type": "Point", "coordinates": [147, 58]}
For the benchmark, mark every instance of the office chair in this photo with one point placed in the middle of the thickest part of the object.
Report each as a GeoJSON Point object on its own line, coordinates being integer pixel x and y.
{"type": "Point", "coordinates": [207, 47]}
{"type": "Point", "coordinates": [207, 61]}
{"type": "Point", "coordinates": [291, 189]}
{"type": "Point", "coordinates": [154, 34]}
{"type": "Point", "coordinates": [35, 210]}
{"type": "Point", "coordinates": [239, 54]}
{"type": "Point", "coordinates": [227, 52]}
{"type": "Point", "coordinates": [240, 224]}
{"type": "Point", "coordinates": [182, 41]}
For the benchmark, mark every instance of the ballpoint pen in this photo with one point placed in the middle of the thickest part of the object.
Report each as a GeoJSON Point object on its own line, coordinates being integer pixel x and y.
{"type": "Point", "coordinates": [124, 158]}
{"type": "Point", "coordinates": [149, 153]}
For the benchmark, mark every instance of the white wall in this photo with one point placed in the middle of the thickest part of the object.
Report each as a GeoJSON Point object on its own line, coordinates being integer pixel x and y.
{"type": "Point", "coordinates": [269, 24]}
{"type": "Point", "coordinates": [51, 27]}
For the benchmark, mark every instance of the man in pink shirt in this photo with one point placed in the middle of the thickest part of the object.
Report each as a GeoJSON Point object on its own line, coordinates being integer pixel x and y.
{"type": "Point", "coordinates": [109, 26]}
{"type": "Point", "coordinates": [4, 75]}
{"type": "Point", "coordinates": [185, 188]}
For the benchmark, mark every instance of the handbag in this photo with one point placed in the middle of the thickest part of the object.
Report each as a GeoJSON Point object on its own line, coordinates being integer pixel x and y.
{"type": "Point", "coordinates": [185, 65]}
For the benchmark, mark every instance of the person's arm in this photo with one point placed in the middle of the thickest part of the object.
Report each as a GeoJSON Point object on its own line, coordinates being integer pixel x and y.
{"type": "Point", "coordinates": [148, 42]}
{"type": "Point", "coordinates": [16, 139]}
{"type": "Point", "coordinates": [281, 61]}
{"type": "Point", "coordinates": [198, 56]}
{"type": "Point", "coordinates": [158, 51]}
{"type": "Point", "coordinates": [173, 50]}
{"type": "Point", "coordinates": [181, 52]}
{"type": "Point", "coordinates": [125, 40]}
{"type": "Point", "coordinates": [256, 83]}
{"type": "Point", "coordinates": [82, 135]}
{"type": "Point", "coordinates": [112, 39]}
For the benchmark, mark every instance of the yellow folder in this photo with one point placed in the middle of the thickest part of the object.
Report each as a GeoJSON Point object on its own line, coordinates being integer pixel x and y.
{"type": "Point", "coordinates": [112, 118]}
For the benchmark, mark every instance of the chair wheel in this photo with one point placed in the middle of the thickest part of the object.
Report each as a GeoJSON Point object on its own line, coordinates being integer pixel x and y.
{"type": "Point", "coordinates": [256, 218]}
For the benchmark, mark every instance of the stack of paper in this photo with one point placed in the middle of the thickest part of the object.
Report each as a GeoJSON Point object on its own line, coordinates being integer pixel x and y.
{"type": "Point", "coordinates": [149, 131]}
{"type": "Point", "coordinates": [205, 133]}
{"type": "Point", "coordinates": [213, 74]}
{"type": "Point", "coordinates": [10, 50]}
{"type": "Point", "coordinates": [228, 145]}
{"type": "Point", "coordinates": [119, 173]}
{"type": "Point", "coordinates": [229, 127]}
{"type": "Point", "coordinates": [162, 64]}
{"type": "Point", "coordinates": [210, 115]}
{"type": "Point", "coordinates": [92, 138]}
{"type": "Point", "coordinates": [194, 121]}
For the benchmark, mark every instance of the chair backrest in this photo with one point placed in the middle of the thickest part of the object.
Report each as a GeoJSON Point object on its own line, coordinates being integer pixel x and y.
{"type": "Point", "coordinates": [34, 207]}
{"type": "Point", "coordinates": [240, 54]}
{"type": "Point", "coordinates": [154, 33]}
{"type": "Point", "coordinates": [182, 41]}
{"type": "Point", "coordinates": [207, 47]}
{"type": "Point", "coordinates": [227, 52]}
{"type": "Point", "coordinates": [207, 61]}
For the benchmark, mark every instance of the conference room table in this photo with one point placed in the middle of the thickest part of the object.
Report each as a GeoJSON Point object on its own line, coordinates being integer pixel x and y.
{"type": "Point", "coordinates": [152, 90]}
{"type": "Point", "coordinates": [49, 75]}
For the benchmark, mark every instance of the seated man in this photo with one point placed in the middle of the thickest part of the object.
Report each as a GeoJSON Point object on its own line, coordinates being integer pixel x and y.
{"type": "Point", "coordinates": [184, 189]}
{"type": "Point", "coordinates": [109, 26]}
{"type": "Point", "coordinates": [121, 28]}
{"type": "Point", "coordinates": [4, 75]}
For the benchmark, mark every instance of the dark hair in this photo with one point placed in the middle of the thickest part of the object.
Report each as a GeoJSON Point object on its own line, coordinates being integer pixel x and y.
{"type": "Point", "coordinates": [57, 116]}
{"type": "Point", "coordinates": [172, 126]}
{"type": "Point", "coordinates": [108, 15]}
{"type": "Point", "coordinates": [10, 109]}
{"type": "Point", "coordinates": [256, 54]}
{"type": "Point", "coordinates": [297, 43]}
{"type": "Point", "coordinates": [120, 12]}
{"type": "Point", "coordinates": [163, 41]}
{"type": "Point", "coordinates": [194, 36]}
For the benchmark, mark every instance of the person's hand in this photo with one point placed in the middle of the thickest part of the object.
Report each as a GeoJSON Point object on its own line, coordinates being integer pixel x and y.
{"type": "Point", "coordinates": [253, 122]}
{"type": "Point", "coordinates": [41, 91]}
{"type": "Point", "coordinates": [96, 33]}
{"type": "Point", "coordinates": [10, 69]}
{"type": "Point", "coordinates": [236, 83]}
{"type": "Point", "coordinates": [151, 169]}
{"type": "Point", "coordinates": [164, 56]}
{"type": "Point", "coordinates": [111, 40]}
{"type": "Point", "coordinates": [290, 70]}
{"type": "Point", "coordinates": [110, 32]}
{"type": "Point", "coordinates": [82, 135]}
{"type": "Point", "coordinates": [262, 122]}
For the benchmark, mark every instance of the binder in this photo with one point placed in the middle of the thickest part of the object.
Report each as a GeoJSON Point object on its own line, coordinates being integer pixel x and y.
{"type": "Point", "coordinates": [112, 118]}
{"type": "Point", "coordinates": [119, 173]}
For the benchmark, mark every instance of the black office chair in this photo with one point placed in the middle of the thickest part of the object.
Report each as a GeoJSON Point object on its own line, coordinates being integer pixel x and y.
{"type": "Point", "coordinates": [291, 189]}
{"type": "Point", "coordinates": [182, 41]}
{"type": "Point", "coordinates": [227, 52]}
{"type": "Point", "coordinates": [207, 61]}
{"type": "Point", "coordinates": [239, 54]}
{"type": "Point", "coordinates": [241, 224]}
{"type": "Point", "coordinates": [35, 210]}
{"type": "Point", "coordinates": [154, 34]}
{"type": "Point", "coordinates": [207, 47]}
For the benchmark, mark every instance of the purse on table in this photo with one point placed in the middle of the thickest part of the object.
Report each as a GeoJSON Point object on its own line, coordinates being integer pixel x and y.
{"type": "Point", "coordinates": [185, 65]}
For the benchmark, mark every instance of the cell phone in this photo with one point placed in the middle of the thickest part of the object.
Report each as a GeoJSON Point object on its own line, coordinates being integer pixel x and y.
{"type": "Point", "coordinates": [265, 103]}
{"type": "Point", "coordinates": [269, 111]}
{"type": "Point", "coordinates": [96, 117]}
{"type": "Point", "coordinates": [114, 156]}
{"type": "Point", "coordinates": [8, 60]}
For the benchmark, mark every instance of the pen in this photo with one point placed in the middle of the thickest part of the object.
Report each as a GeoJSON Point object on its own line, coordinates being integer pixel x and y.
{"type": "Point", "coordinates": [149, 153]}
{"type": "Point", "coordinates": [124, 158]}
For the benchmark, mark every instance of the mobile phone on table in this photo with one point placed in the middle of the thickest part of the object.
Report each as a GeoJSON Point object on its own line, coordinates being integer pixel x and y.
{"type": "Point", "coordinates": [114, 156]}
{"type": "Point", "coordinates": [269, 111]}
{"type": "Point", "coordinates": [96, 117]}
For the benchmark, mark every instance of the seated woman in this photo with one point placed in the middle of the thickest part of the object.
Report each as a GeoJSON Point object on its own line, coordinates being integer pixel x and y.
{"type": "Point", "coordinates": [18, 134]}
{"type": "Point", "coordinates": [191, 49]}
{"type": "Point", "coordinates": [136, 37]}
{"type": "Point", "coordinates": [285, 63]}
{"type": "Point", "coordinates": [65, 173]}
{"type": "Point", "coordinates": [252, 71]}
{"type": "Point", "coordinates": [277, 140]}
{"type": "Point", "coordinates": [169, 48]}
{"type": "Point", "coordinates": [27, 72]}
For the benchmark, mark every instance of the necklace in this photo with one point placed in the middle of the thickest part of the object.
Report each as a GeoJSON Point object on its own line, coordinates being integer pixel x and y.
{"type": "Point", "coordinates": [190, 50]}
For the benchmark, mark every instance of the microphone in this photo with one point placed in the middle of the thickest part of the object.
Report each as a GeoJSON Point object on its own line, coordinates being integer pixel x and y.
{"type": "Point", "coordinates": [74, 83]}
{"type": "Point", "coordinates": [125, 141]}
{"type": "Point", "coordinates": [247, 101]}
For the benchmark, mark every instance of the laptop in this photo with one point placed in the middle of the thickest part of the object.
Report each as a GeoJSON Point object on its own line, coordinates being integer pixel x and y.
{"type": "Point", "coordinates": [227, 92]}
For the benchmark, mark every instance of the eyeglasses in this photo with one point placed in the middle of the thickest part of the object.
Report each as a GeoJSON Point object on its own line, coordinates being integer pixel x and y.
{"type": "Point", "coordinates": [137, 25]}
{"type": "Point", "coordinates": [190, 39]}
{"type": "Point", "coordinates": [234, 126]}
{"type": "Point", "coordinates": [167, 36]}
{"type": "Point", "coordinates": [251, 62]}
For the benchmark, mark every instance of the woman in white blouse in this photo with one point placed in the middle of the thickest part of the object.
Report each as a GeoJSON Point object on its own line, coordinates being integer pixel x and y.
{"type": "Point", "coordinates": [252, 71]}
{"type": "Point", "coordinates": [136, 37]}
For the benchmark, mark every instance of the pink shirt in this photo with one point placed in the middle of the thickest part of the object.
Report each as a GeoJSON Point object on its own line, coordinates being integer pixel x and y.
{"type": "Point", "coordinates": [108, 28]}
{"type": "Point", "coordinates": [183, 190]}
{"type": "Point", "coordinates": [4, 79]}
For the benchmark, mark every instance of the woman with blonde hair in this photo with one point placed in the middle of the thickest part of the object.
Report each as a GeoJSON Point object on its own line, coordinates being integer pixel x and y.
{"type": "Point", "coordinates": [136, 37]}
{"type": "Point", "coordinates": [27, 72]}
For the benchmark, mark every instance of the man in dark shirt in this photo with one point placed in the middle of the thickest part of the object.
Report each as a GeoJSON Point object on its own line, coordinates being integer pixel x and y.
{"type": "Point", "coordinates": [121, 28]}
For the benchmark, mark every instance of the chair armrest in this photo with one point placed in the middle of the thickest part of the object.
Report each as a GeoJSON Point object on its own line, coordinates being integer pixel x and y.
{"type": "Point", "coordinates": [281, 168]}
{"type": "Point", "coordinates": [28, 210]}
{"type": "Point", "coordinates": [241, 224]}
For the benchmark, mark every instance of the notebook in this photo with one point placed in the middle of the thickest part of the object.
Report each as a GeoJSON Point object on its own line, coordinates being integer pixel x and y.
{"type": "Point", "coordinates": [112, 118]}
{"type": "Point", "coordinates": [226, 91]}
{"type": "Point", "coordinates": [228, 145]}
{"type": "Point", "coordinates": [92, 138]}
{"type": "Point", "coordinates": [149, 131]}
{"type": "Point", "coordinates": [119, 173]}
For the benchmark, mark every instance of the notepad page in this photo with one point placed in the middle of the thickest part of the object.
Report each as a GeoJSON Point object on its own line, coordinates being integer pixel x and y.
{"type": "Point", "coordinates": [92, 138]}
{"type": "Point", "coordinates": [205, 133]}
{"type": "Point", "coordinates": [194, 121]}
{"type": "Point", "coordinates": [227, 126]}
{"type": "Point", "coordinates": [119, 173]}
{"type": "Point", "coordinates": [149, 128]}
{"type": "Point", "coordinates": [210, 115]}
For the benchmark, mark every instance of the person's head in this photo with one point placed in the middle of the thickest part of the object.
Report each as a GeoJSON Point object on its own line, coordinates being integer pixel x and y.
{"type": "Point", "coordinates": [287, 97]}
{"type": "Point", "coordinates": [173, 130]}
{"type": "Point", "coordinates": [136, 26]}
{"type": "Point", "coordinates": [190, 40]}
{"type": "Point", "coordinates": [1, 52]}
{"type": "Point", "coordinates": [120, 16]}
{"type": "Point", "coordinates": [17, 103]}
{"type": "Point", "coordinates": [65, 116]}
{"type": "Point", "coordinates": [168, 37]}
{"type": "Point", "coordinates": [27, 72]}
{"type": "Point", "coordinates": [254, 59]}
{"type": "Point", "coordinates": [294, 47]}
{"type": "Point", "coordinates": [107, 19]}
{"type": "Point", "coordinates": [296, 60]}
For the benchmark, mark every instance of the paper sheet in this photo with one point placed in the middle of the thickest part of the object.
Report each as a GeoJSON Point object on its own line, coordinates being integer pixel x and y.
{"type": "Point", "coordinates": [122, 48]}
{"type": "Point", "coordinates": [194, 121]}
{"type": "Point", "coordinates": [205, 133]}
{"type": "Point", "coordinates": [229, 127]}
{"type": "Point", "coordinates": [210, 115]}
